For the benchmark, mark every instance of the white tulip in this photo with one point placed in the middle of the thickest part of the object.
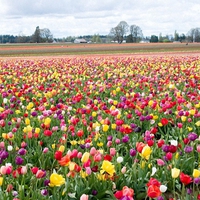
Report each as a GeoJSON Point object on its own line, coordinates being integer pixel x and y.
{"type": "Point", "coordinates": [153, 171]}
{"type": "Point", "coordinates": [163, 188]}
{"type": "Point", "coordinates": [120, 159]}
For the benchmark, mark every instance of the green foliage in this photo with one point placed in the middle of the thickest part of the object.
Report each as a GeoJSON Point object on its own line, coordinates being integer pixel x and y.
{"type": "Point", "coordinates": [154, 39]}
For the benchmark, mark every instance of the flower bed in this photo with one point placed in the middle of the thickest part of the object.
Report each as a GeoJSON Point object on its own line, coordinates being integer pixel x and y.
{"type": "Point", "coordinates": [100, 128]}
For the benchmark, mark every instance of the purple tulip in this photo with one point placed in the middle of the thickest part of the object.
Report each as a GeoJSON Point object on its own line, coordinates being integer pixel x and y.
{"type": "Point", "coordinates": [125, 139]}
{"type": "Point", "coordinates": [189, 191]}
{"type": "Point", "coordinates": [197, 180]}
{"type": "Point", "coordinates": [165, 148]}
{"type": "Point", "coordinates": [192, 136]}
{"type": "Point", "coordinates": [188, 149]}
{"type": "Point", "coordinates": [46, 182]}
{"type": "Point", "coordinates": [160, 198]}
{"type": "Point", "coordinates": [133, 152]}
{"type": "Point", "coordinates": [142, 118]}
{"type": "Point", "coordinates": [90, 118]}
{"type": "Point", "coordinates": [3, 154]}
{"type": "Point", "coordinates": [34, 113]}
{"type": "Point", "coordinates": [137, 129]}
{"type": "Point", "coordinates": [19, 160]}
{"type": "Point", "coordinates": [133, 126]}
{"type": "Point", "coordinates": [22, 151]}
{"type": "Point", "coordinates": [44, 192]}
{"type": "Point", "coordinates": [109, 138]}
{"type": "Point", "coordinates": [94, 192]}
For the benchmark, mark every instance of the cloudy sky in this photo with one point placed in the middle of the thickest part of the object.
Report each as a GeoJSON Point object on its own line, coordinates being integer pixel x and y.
{"type": "Point", "coordinates": [87, 17]}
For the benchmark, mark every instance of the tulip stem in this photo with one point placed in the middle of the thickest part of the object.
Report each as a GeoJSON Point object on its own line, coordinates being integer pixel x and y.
{"type": "Point", "coordinates": [183, 191]}
{"type": "Point", "coordinates": [174, 189]}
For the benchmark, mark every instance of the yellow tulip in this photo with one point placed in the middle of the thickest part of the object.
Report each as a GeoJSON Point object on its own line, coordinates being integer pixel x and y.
{"type": "Point", "coordinates": [83, 174]}
{"type": "Point", "coordinates": [94, 114]}
{"type": "Point", "coordinates": [47, 121]}
{"type": "Point", "coordinates": [73, 142]}
{"type": "Point", "coordinates": [150, 103]}
{"type": "Point", "coordinates": [192, 112]}
{"type": "Point", "coordinates": [115, 102]}
{"type": "Point", "coordinates": [37, 130]}
{"type": "Point", "coordinates": [56, 180]}
{"type": "Point", "coordinates": [27, 121]}
{"type": "Point", "coordinates": [197, 123]}
{"type": "Point", "coordinates": [85, 157]}
{"type": "Point", "coordinates": [61, 148]}
{"type": "Point", "coordinates": [183, 118]}
{"type": "Point", "coordinates": [113, 126]}
{"type": "Point", "coordinates": [175, 172]}
{"type": "Point", "coordinates": [1, 181]}
{"type": "Point", "coordinates": [72, 166]}
{"type": "Point", "coordinates": [105, 128]}
{"type": "Point", "coordinates": [118, 89]}
{"type": "Point", "coordinates": [146, 152]}
{"type": "Point", "coordinates": [107, 167]}
{"type": "Point", "coordinates": [196, 173]}
{"type": "Point", "coordinates": [100, 144]}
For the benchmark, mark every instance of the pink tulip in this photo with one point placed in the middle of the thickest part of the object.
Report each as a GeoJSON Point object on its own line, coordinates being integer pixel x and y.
{"type": "Point", "coordinates": [97, 157]}
{"type": "Point", "coordinates": [3, 170]}
{"type": "Point", "coordinates": [84, 197]}
{"type": "Point", "coordinates": [23, 170]}
{"type": "Point", "coordinates": [88, 170]}
{"type": "Point", "coordinates": [45, 150]}
{"type": "Point", "coordinates": [112, 151]}
{"type": "Point", "coordinates": [2, 145]}
{"type": "Point", "coordinates": [93, 151]}
{"type": "Point", "coordinates": [117, 141]}
{"type": "Point", "coordinates": [198, 148]}
{"type": "Point", "coordinates": [40, 174]}
{"type": "Point", "coordinates": [160, 162]}
{"type": "Point", "coordinates": [79, 155]}
{"type": "Point", "coordinates": [109, 143]}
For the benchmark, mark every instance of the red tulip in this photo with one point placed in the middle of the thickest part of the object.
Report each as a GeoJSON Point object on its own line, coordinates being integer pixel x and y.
{"type": "Point", "coordinates": [118, 194]}
{"type": "Point", "coordinates": [164, 121]}
{"type": "Point", "coordinates": [58, 155]}
{"type": "Point", "coordinates": [185, 179]}
{"type": "Point", "coordinates": [47, 133]}
{"type": "Point", "coordinates": [153, 191]}
{"type": "Point", "coordinates": [153, 181]}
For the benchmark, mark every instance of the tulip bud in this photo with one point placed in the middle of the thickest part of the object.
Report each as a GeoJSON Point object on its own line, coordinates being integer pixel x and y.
{"type": "Point", "coordinates": [123, 170]}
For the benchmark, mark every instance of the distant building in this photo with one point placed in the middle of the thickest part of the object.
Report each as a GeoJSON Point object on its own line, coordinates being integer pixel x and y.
{"type": "Point", "coordinates": [144, 41]}
{"type": "Point", "coordinates": [80, 41]}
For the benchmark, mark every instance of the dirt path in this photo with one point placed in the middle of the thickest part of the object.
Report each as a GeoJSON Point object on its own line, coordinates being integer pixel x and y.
{"type": "Point", "coordinates": [157, 54]}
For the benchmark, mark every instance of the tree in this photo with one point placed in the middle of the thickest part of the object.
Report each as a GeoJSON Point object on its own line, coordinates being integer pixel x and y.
{"type": "Point", "coordinates": [154, 39]}
{"type": "Point", "coordinates": [182, 37]}
{"type": "Point", "coordinates": [36, 36]}
{"type": "Point", "coordinates": [42, 35]}
{"type": "Point", "coordinates": [160, 39]}
{"type": "Point", "coordinates": [119, 31]}
{"type": "Point", "coordinates": [176, 36]}
{"type": "Point", "coordinates": [135, 34]}
{"type": "Point", "coordinates": [46, 35]}
{"type": "Point", "coordinates": [194, 35]}
{"type": "Point", "coordinates": [96, 38]}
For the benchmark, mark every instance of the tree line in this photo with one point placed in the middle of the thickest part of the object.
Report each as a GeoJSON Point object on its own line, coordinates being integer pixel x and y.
{"type": "Point", "coordinates": [39, 36]}
{"type": "Point", "coordinates": [120, 33]}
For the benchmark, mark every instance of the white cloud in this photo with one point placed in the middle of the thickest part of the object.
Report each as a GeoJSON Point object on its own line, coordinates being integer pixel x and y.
{"type": "Point", "coordinates": [80, 17]}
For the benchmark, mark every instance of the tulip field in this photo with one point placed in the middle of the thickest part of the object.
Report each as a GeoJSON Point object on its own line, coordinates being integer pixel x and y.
{"type": "Point", "coordinates": [100, 128]}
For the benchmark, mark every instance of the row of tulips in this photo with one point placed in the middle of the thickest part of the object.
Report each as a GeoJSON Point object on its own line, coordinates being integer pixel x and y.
{"type": "Point", "coordinates": [100, 128]}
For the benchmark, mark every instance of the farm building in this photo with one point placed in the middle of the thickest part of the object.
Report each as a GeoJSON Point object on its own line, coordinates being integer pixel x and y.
{"type": "Point", "coordinates": [80, 41]}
